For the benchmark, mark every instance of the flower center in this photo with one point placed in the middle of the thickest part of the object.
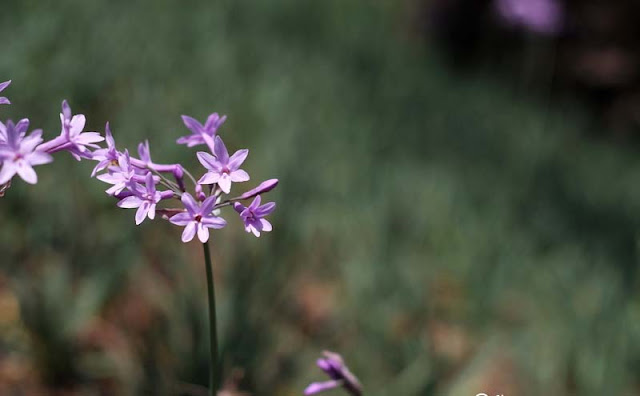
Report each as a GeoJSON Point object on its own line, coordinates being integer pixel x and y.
{"type": "Point", "coordinates": [198, 218]}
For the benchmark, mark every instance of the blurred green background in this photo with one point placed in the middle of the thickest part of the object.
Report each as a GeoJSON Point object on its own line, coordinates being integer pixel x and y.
{"type": "Point", "coordinates": [448, 232]}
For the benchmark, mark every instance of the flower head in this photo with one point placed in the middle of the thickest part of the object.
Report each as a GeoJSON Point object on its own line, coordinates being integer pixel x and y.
{"type": "Point", "coordinates": [198, 218]}
{"type": "Point", "coordinates": [3, 85]}
{"type": "Point", "coordinates": [253, 215]}
{"type": "Point", "coordinates": [201, 134]}
{"type": "Point", "coordinates": [334, 366]}
{"type": "Point", "coordinates": [18, 152]}
{"type": "Point", "coordinates": [77, 141]}
{"type": "Point", "coordinates": [223, 169]}
{"type": "Point", "coordinates": [144, 198]}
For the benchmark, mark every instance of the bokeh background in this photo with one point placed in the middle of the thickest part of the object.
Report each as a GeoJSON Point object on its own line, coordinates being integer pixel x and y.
{"type": "Point", "coordinates": [458, 208]}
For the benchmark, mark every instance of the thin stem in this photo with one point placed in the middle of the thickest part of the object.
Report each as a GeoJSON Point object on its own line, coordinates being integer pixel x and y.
{"type": "Point", "coordinates": [213, 336]}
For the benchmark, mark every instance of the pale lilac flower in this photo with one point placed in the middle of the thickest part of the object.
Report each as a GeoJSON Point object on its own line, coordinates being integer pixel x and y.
{"type": "Point", "coordinates": [264, 187]}
{"type": "Point", "coordinates": [334, 366]}
{"type": "Point", "coordinates": [119, 175]}
{"type": "Point", "coordinates": [18, 152]}
{"type": "Point", "coordinates": [222, 169]}
{"type": "Point", "coordinates": [198, 218]}
{"type": "Point", "coordinates": [77, 141]}
{"type": "Point", "coordinates": [3, 85]}
{"type": "Point", "coordinates": [144, 198]}
{"type": "Point", "coordinates": [253, 215]}
{"type": "Point", "coordinates": [201, 134]}
{"type": "Point", "coordinates": [539, 16]}
{"type": "Point", "coordinates": [106, 156]}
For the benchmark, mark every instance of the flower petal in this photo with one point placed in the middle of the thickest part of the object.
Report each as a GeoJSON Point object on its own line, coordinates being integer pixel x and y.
{"type": "Point", "coordinates": [189, 232]}
{"type": "Point", "coordinates": [8, 170]}
{"type": "Point", "coordinates": [209, 178]}
{"type": "Point", "coordinates": [239, 175]}
{"type": "Point", "coordinates": [221, 151]}
{"type": "Point", "coordinates": [209, 161]}
{"type": "Point", "coordinates": [203, 233]}
{"type": "Point", "coordinates": [26, 172]}
{"type": "Point", "coordinates": [130, 202]}
{"type": "Point", "coordinates": [238, 158]}
{"type": "Point", "coordinates": [181, 219]}
{"type": "Point", "coordinates": [189, 203]}
{"type": "Point", "coordinates": [225, 183]}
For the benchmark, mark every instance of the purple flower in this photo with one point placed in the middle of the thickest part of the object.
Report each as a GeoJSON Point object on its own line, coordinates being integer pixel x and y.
{"type": "Point", "coordinates": [253, 215]}
{"type": "Point", "coordinates": [77, 141]}
{"type": "Point", "coordinates": [3, 85]}
{"type": "Point", "coordinates": [222, 169]}
{"type": "Point", "coordinates": [201, 134]}
{"type": "Point", "coordinates": [198, 218]}
{"type": "Point", "coordinates": [334, 366]}
{"type": "Point", "coordinates": [145, 199]}
{"type": "Point", "coordinates": [539, 16]}
{"type": "Point", "coordinates": [106, 156]}
{"type": "Point", "coordinates": [119, 175]}
{"type": "Point", "coordinates": [18, 152]}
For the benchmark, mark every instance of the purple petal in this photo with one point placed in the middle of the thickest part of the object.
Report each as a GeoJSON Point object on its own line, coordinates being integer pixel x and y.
{"type": "Point", "coordinates": [26, 172]}
{"type": "Point", "coordinates": [255, 203]}
{"type": "Point", "coordinates": [265, 209]}
{"type": "Point", "coordinates": [181, 219]}
{"type": "Point", "coordinates": [214, 222]}
{"type": "Point", "coordinates": [4, 100]}
{"type": "Point", "coordinates": [238, 207]}
{"type": "Point", "coordinates": [225, 183]}
{"type": "Point", "coordinates": [142, 211]}
{"type": "Point", "coordinates": [130, 202]}
{"type": "Point", "coordinates": [88, 138]}
{"type": "Point", "coordinates": [150, 184]}
{"type": "Point", "coordinates": [221, 151]}
{"type": "Point", "coordinates": [209, 178]}
{"type": "Point", "coordinates": [5, 84]}
{"type": "Point", "coordinates": [318, 387]}
{"type": "Point", "coordinates": [189, 232]}
{"type": "Point", "coordinates": [77, 124]}
{"type": "Point", "coordinates": [207, 205]}
{"type": "Point", "coordinates": [66, 110]}
{"type": "Point", "coordinates": [189, 203]}
{"type": "Point", "coordinates": [192, 124]}
{"type": "Point", "coordinates": [203, 233]}
{"type": "Point", "coordinates": [209, 161]}
{"type": "Point", "coordinates": [111, 143]}
{"type": "Point", "coordinates": [7, 172]}
{"type": "Point", "coordinates": [239, 175]}
{"type": "Point", "coordinates": [38, 158]}
{"type": "Point", "coordinates": [266, 226]}
{"type": "Point", "coordinates": [237, 159]}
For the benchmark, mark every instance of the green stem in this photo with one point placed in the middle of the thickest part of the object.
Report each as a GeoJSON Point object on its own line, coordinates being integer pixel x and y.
{"type": "Point", "coordinates": [213, 336]}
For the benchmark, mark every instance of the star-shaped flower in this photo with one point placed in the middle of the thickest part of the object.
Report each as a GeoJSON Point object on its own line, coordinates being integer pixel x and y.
{"type": "Point", "coordinates": [223, 169]}
{"type": "Point", "coordinates": [253, 215]}
{"type": "Point", "coordinates": [105, 156]}
{"type": "Point", "coordinates": [145, 199]}
{"type": "Point", "coordinates": [18, 152]}
{"type": "Point", "coordinates": [119, 175]}
{"type": "Point", "coordinates": [201, 134]}
{"type": "Point", "coordinates": [198, 218]}
{"type": "Point", "coordinates": [77, 141]}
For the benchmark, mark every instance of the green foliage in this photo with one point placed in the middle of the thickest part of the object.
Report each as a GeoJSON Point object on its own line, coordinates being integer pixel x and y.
{"type": "Point", "coordinates": [446, 236]}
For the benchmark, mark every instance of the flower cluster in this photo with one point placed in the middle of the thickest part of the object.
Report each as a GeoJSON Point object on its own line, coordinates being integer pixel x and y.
{"type": "Point", "coordinates": [333, 365]}
{"type": "Point", "coordinates": [139, 182]}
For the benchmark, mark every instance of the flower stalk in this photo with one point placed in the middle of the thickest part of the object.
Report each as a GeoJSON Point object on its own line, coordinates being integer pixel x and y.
{"type": "Point", "coordinates": [213, 331]}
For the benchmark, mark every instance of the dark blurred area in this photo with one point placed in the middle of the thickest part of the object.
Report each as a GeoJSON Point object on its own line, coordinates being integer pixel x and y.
{"type": "Point", "coordinates": [578, 49]}
{"type": "Point", "coordinates": [446, 219]}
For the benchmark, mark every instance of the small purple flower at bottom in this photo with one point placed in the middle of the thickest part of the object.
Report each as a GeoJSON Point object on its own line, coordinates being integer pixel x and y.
{"type": "Point", "coordinates": [18, 152]}
{"type": "Point", "coordinates": [334, 366]}
{"type": "Point", "coordinates": [3, 85]}
{"type": "Point", "coordinates": [197, 219]}
{"type": "Point", "coordinates": [253, 215]}
{"type": "Point", "coordinates": [145, 199]}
